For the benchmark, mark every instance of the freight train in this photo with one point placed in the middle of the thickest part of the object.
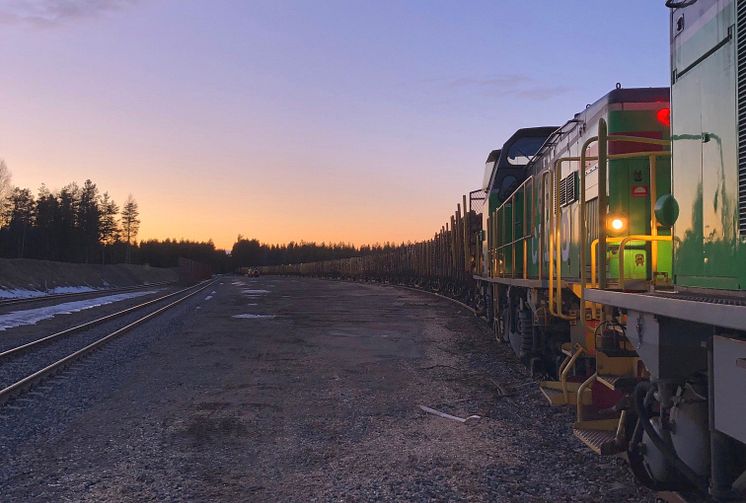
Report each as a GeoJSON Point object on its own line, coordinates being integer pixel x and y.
{"type": "Point", "coordinates": [610, 254]}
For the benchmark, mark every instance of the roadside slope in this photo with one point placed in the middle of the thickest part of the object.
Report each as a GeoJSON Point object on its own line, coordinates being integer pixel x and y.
{"type": "Point", "coordinates": [45, 275]}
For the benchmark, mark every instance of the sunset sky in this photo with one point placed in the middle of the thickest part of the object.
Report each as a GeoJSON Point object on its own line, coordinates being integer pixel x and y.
{"type": "Point", "coordinates": [325, 120]}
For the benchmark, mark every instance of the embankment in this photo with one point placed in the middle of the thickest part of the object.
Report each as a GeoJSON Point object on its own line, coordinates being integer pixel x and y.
{"type": "Point", "coordinates": [44, 275]}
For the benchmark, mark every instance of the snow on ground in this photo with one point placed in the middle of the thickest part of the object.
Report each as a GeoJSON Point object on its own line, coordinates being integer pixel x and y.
{"type": "Point", "coordinates": [33, 316]}
{"type": "Point", "coordinates": [253, 316]}
{"type": "Point", "coordinates": [254, 292]}
{"type": "Point", "coordinates": [70, 289]}
{"type": "Point", "coordinates": [20, 293]}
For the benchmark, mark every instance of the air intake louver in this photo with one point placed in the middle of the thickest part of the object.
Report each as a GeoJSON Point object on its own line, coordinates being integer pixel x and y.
{"type": "Point", "coordinates": [569, 189]}
{"type": "Point", "coordinates": [741, 91]}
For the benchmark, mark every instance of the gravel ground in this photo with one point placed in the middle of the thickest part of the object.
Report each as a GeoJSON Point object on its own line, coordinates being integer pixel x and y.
{"type": "Point", "coordinates": [316, 399]}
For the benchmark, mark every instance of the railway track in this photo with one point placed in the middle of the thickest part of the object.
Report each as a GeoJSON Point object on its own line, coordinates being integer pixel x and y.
{"type": "Point", "coordinates": [64, 296]}
{"type": "Point", "coordinates": [25, 365]}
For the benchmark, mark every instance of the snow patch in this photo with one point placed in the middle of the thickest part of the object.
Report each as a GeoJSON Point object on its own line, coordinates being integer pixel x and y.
{"type": "Point", "coordinates": [248, 316]}
{"type": "Point", "coordinates": [33, 316]}
{"type": "Point", "coordinates": [254, 292]}
{"type": "Point", "coordinates": [20, 293]}
{"type": "Point", "coordinates": [71, 289]}
{"type": "Point", "coordinates": [208, 297]}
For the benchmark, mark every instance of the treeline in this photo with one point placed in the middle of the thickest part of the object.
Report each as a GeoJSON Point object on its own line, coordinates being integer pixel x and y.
{"type": "Point", "coordinates": [81, 223]}
{"type": "Point", "coordinates": [77, 223]}
{"type": "Point", "coordinates": [166, 253]}
{"type": "Point", "coordinates": [250, 252]}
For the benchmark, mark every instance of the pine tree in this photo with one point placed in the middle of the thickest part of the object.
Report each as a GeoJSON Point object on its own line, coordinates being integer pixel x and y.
{"type": "Point", "coordinates": [130, 223]}
{"type": "Point", "coordinates": [47, 214]}
{"type": "Point", "coordinates": [67, 234]}
{"type": "Point", "coordinates": [20, 218]}
{"type": "Point", "coordinates": [88, 218]}
{"type": "Point", "coordinates": [108, 228]}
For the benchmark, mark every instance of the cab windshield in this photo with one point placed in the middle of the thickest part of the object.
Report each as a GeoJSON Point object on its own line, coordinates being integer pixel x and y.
{"type": "Point", "coordinates": [524, 149]}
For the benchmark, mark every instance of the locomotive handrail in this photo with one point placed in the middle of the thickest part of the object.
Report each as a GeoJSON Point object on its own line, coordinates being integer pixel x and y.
{"type": "Point", "coordinates": [568, 364]}
{"type": "Point", "coordinates": [515, 241]}
{"type": "Point", "coordinates": [581, 390]}
{"type": "Point", "coordinates": [635, 238]}
{"type": "Point", "coordinates": [637, 139]}
{"type": "Point", "coordinates": [619, 240]}
{"type": "Point", "coordinates": [510, 200]}
{"type": "Point", "coordinates": [653, 196]}
{"type": "Point", "coordinates": [556, 234]}
{"type": "Point", "coordinates": [652, 158]}
{"type": "Point", "coordinates": [603, 157]}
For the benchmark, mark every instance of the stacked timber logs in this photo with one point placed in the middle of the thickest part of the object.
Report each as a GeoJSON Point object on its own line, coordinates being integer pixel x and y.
{"type": "Point", "coordinates": [444, 264]}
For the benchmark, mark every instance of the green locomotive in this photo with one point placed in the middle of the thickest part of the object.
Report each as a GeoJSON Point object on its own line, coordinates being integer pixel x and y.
{"type": "Point", "coordinates": [533, 272]}
{"type": "Point", "coordinates": [691, 411]}
{"type": "Point", "coordinates": [610, 253]}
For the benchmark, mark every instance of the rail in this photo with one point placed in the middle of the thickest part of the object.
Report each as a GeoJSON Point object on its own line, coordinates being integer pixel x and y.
{"type": "Point", "coordinates": [31, 379]}
{"type": "Point", "coordinates": [42, 298]}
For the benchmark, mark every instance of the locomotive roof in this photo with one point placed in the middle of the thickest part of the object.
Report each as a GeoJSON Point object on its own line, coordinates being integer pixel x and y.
{"type": "Point", "coordinates": [618, 95]}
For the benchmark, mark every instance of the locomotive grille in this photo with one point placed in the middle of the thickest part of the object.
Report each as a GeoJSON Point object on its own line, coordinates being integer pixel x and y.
{"type": "Point", "coordinates": [741, 107]}
{"type": "Point", "coordinates": [569, 189]}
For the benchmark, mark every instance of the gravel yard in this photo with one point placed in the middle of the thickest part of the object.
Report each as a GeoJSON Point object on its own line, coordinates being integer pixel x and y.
{"type": "Point", "coordinates": [285, 389]}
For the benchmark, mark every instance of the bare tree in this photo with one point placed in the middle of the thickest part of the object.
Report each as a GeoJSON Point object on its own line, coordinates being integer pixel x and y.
{"type": "Point", "coordinates": [4, 180]}
{"type": "Point", "coordinates": [5, 190]}
{"type": "Point", "coordinates": [130, 223]}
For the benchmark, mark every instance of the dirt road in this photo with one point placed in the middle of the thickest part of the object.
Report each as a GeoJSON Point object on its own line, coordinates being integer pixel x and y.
{"type": "Point", "coordinates": [281, 389]}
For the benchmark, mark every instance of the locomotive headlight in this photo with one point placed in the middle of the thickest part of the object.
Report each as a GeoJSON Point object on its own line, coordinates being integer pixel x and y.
{"type": "Point", "coordinates": [616, 224]}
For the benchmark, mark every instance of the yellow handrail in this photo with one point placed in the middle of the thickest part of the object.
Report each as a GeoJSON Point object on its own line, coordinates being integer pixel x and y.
{"type": "Point", "coordinates": [555, 298]}
{"type": "Point", "coordinates": [633, 237]}
{"type": "Point", "coordinates": [624, 242]}
{"type": "Point", "coordinates": [604, 139]}
{"type": "Point", "coordinates": [581, 390]}
{"type": "Point", "coordinates": [565, 370]}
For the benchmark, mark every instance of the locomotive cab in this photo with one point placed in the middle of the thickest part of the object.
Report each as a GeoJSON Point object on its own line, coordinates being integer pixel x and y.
{"type": "Point", "coordinates": [506, 169]}
{"type": "Point", "coordinates": [509, 170]}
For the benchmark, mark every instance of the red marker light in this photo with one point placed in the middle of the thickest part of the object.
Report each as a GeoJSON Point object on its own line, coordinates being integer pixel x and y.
{"type": "Point", "coordinates": [664, 116]}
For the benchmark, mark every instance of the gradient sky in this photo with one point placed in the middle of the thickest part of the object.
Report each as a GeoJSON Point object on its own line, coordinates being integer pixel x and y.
{"type": "Point", "coordinates": [326, 120]}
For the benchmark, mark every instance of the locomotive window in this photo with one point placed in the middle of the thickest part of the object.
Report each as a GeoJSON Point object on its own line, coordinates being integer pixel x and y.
{"type": "Point", "coordinates": [523, 150]}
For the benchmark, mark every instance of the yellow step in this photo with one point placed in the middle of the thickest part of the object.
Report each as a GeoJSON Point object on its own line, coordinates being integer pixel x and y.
{"type": "Point", "coordinates": [552, 391]}
{"type": "Point", "coordinates": [599, 435]}
{"type": "Point", "coordinates": [617, 383]}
